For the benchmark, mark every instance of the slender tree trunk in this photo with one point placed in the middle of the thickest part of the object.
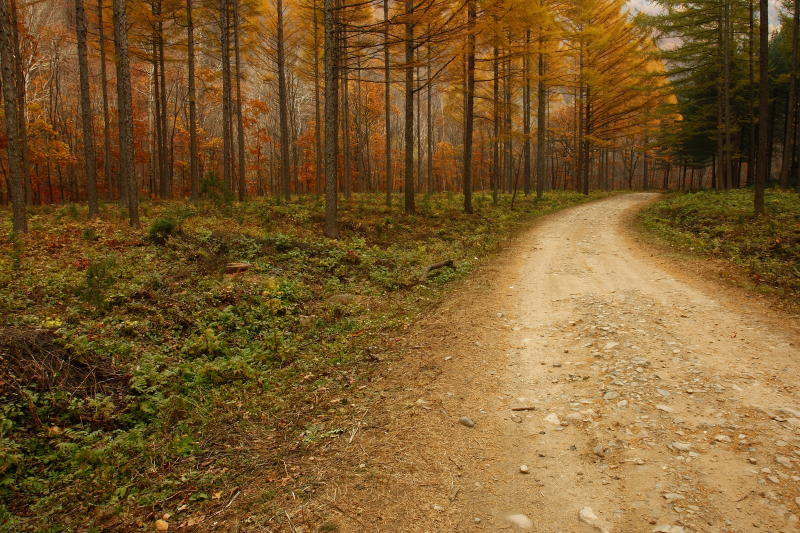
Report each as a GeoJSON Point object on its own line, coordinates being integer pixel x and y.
{"type": "Point", "coordinates": [21, 99]}
{"type": "Point", "coordinates": [469, 106]}
{"type": "Point", "coordinates": [86, 109]}
{"type": "Point", "coordinates": [239, 118]}
{"type": "Point", "coordinates": [751, 149]}
{"type": "Point", "coordinates": [125, 112]}
{"type": "Point", "coordinates": [12, 119]}
{"type": "Point", "coordinates": [317, 117]}
{"type": "Point", "coordinates": [541, 123]}
{"type": "Point", "coordinates": [347, 179]}
{"type": "Point", "coordinates": [495, 174]}
{"type": "Point", "coordinates": [762, 174]}
{"type": "Point", "coordinates": [409, 109]}
{"type": "Point", "coordinates": [158, 164]}
{"type": "Point", "coordinates": [387, 79]}
{"type": "Point", "coordinates": [109, 176]}
{"type": "Point", "coordinates": [788, 159]}
{"type": "Point", "coordinates": [193, 155]}
{"type": "Point", "coordinates": [166, 155]}
{"type": "Point", "coordinates": [227, 141]}
{"type": "Point", "coordinates": [526, 114]}
{"type": "Point", "coordinates": [429, 129]}
{"type": "Point", "coordinates": [282, 105]}
{"type": "Point", "coordinates": [331, 119]}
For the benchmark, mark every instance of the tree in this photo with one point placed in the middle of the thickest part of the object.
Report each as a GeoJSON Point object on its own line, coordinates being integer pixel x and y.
{"type": "Point", "coordinates": [763, 161]}
{"type": "Point", "coordinates": [283, 105]}
{"type": "Point", "coordinates": [15, 161]}
{"type": "Point", "coordinates": [193, 155]}
{"type": "Point", "coordinates": [331, 118]}
{"type": "Point", "coordinates": [125, 112]}
{"type": "Point", "coordinates": [86, 109]}
{"type": "Point", "coordinates": [469, 105]}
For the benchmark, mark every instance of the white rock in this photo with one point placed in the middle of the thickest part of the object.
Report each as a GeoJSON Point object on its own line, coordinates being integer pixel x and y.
{"type": "Point", "coordinates": [611, 395]}
{"type": "Point", "coordinates": [682, 446]}
{"type": "Point", "coordinates": [436, 507]}
{"type": "Point", "coordinates": [520, 520]}
{"type": "Point", "coordinates": [587, 516]}
{"type": "Point", "coordinates": [523, 469]}
{"type": "Point", "coordinates": [783, 460]}
{"type": "Point", "coordinates": [665, 408]}
{"type": "Point", "coordinates": [552, 418]}
{"type": "Point", "coordinates": [722, 438]}
{"type": "Point", "coordinates": [666, 528]}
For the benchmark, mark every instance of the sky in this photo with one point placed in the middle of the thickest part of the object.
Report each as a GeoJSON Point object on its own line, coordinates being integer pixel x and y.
{"type": "Point", "coordinates": [648, 7]}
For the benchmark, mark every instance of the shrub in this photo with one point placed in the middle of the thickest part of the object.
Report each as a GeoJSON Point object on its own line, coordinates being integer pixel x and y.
{"type": "Point", "coordinates": [161, 229]}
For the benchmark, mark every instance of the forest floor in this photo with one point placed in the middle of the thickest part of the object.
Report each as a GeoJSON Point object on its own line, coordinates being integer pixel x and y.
{"type": "Point", "coordinates": [611, 389]}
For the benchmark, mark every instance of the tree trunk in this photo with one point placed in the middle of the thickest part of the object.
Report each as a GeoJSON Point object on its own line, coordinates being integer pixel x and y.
{"type": "Point", "coordinates": [788, 159]}
{"type": "Point", "coordinates": [282, 106]}
{"type": "Point", "coordinates": [347, 156]}
{"type": "Point", "coordinates": [526, 114]}
{"type": "Point", "coordinates": [387, 79]}
{"type": "Point", "coordinates": [227, 140]}
{"type": "Point", "coordinates": [541, 123]}
{"type": "Point", "coordinates": [317, 117]}
{"type": "Point", "coordinates": [15, 163]}
{"type": "Point", "coordinates": [193, 155]}
{"type": "Point", "coordinates": [331, 119]}
{"type": "Point", "coordinates": [86, 109]}
{"type": "Point", "coordinates": [408, 182]}
{"type": "Point", "coordinates": [429, 129]}
{"type": "Point", "coordinates": [239, 118]}
{"type": "Point", "coordinates": [762, 173]}
{"type": "Point", "coordinates": [110, 180]}
{"type": "Point", "coordinates": [469, 105]}
{"type": "Point", "coordinates": [495, 123]}
{"type": "Point", "coordinates": [127, 163]}
{"type": "Point", "coordinates": [166, 155]}
{"type": "Point", "coordinates": [21, 111]}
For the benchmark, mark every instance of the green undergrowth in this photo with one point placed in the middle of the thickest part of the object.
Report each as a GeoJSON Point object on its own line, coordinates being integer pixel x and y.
{"type": "Point", "coordinates": [721, 225]}
{"type": "Point", "coordinates": [136, 370]}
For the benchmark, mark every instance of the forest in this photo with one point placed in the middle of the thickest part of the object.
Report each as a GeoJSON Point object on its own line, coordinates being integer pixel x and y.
{"type": "Point", "coordinates": [244, 244]}
{"type": "Point", "coordinates": [239, 99]}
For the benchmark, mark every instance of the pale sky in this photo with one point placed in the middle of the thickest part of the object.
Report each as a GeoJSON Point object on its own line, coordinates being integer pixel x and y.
{"type": "Point", "coordinates": [647, 7]}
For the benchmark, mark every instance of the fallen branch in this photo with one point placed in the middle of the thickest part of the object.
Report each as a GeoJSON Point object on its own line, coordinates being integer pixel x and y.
{"type": "Point", "coordinates": [436, 266]}
{"type": "Point", "coordinates": [525, 408]}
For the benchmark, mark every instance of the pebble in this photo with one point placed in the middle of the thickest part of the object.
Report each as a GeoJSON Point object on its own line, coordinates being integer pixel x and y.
{"type": "Point", "coordinates": [611, 395]}
{"type": "Point", "coordinates": [466, 421]}
{"type": "Point", "coordinates": [722, 438]}
{"type": "Point", "coordinates": [523, 469]}
{"type": "Point", "coordinates": [552, 418]}
{"type": "Point", "coordinates": [520, 520]}
{"type": "Point", "coordinates": [666, 528]}
{"type": "Point", "coordinates": [664, 393]}
{"type": "Point", "coordinates": [436, 507]}
{"type": "Point", "coordinates": [682, 446]}
{"type": "Point", "coordinates": [665, 408]}
{"type": "Point", "coordinates": [783, 460]}
{"type": "Point", "coordinates": [587, 516]}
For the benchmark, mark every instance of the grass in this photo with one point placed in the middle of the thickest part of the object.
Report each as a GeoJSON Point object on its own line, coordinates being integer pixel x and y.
{"type": "Point", "coordinates": [721, 225]}
{"type": "Point", "coordinates": [137, 378]}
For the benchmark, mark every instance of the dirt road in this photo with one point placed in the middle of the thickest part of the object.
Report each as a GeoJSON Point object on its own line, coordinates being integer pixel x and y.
{"type": "Point", "coordinates": [652, 401]}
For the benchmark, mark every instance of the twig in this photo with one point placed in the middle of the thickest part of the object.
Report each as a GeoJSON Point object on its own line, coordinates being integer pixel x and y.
{"type": "Point", "coordinates": [289, 518]}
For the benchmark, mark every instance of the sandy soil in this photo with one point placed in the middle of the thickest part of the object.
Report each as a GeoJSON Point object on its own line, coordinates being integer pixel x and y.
{"type": "Point", "coordinates": [655, 401]}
